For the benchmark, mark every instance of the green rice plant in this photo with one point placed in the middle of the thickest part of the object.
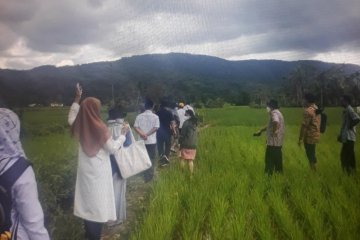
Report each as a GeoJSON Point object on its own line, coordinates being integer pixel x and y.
{"type": "Point", "coordinates": [229, 196]}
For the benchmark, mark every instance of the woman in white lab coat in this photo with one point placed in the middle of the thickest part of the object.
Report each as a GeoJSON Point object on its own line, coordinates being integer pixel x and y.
{"type": "Point", "coordinates": [94, 192]}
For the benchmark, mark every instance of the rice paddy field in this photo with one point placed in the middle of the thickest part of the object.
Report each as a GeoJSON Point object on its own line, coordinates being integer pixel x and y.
{"type": "Point", "coordinates": [229, 196]}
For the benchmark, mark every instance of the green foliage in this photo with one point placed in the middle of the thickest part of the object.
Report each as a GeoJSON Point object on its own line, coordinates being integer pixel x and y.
{"type": "Point", "coordinates": [230, 197]}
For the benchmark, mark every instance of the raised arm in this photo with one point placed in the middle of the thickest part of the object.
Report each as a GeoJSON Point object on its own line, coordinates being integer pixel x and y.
{"type": "Point", "coordinates": [74, 110]}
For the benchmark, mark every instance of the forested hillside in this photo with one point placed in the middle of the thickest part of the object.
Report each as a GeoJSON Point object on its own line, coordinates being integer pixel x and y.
{"type": "Point", "coordinates": [193, 78]}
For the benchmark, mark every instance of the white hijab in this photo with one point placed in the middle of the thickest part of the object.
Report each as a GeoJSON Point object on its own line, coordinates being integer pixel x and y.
{"type": "Point", "coordinates": [10, 145]}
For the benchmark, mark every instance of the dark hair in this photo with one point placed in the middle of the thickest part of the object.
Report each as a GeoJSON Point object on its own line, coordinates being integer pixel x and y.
{"type": "Point", "coordinates": [273, 104]}
{"type": "Point", "coordinates": [116, 112]}
{"type": "Point", "coordinates": [309, 97]}
{"type": "Point", "coordinates": [347, 99]}
{"type": "Point", "coordinates": [148, 104]}
{"type": "Point", "coordinates": [164, 103]}
{"type": "Point", "coordinates": [192, 118]}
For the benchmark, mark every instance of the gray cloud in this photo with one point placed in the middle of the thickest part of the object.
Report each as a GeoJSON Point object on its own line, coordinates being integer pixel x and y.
{"type": "Point", "coordinates": [113, 28]}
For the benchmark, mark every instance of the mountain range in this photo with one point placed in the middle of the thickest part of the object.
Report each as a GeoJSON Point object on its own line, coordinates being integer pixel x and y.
{"type": "Point", "coordinates": [181, 76]}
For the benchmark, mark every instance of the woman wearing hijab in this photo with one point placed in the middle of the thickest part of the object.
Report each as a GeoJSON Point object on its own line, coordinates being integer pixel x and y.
{"type": "Point", "coordinates": [26, 212]}
{"type": "Point", "coordinates": [94, 192]}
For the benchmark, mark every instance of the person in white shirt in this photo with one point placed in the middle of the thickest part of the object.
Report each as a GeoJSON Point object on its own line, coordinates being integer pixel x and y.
{"type": "Point", "coordinates": [115, 123]}
{"type": "Point", "coordinates": [182, 117]}
{"type": "Point", "coordinates": [146, 124]}
{"type": "Point", "coordinates": [94, 191]}
{"type": "Point", "coordinates": [26, 211]}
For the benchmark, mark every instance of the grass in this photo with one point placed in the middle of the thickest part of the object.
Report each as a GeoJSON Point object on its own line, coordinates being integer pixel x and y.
{"type": "Point", "coordinates": [229, 196]}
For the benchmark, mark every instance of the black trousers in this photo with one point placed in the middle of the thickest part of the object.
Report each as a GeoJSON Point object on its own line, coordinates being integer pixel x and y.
{"type": "Point", "coordinates": [273, 159]}
{"type": "Point", "coordinates": [92, 230]}
{"type": "Point", "coordinates": [151, 150]}
{"type": "Point", "coordinates": [163, 143]}
{"type": "Point", "coordinates": [347, 156]}
{"type": "Point", "coordinates": [310, 152]}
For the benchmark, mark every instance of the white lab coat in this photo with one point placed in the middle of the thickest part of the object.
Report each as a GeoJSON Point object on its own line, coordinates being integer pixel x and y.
{"type": "Point", "coordinates": [94, 191]}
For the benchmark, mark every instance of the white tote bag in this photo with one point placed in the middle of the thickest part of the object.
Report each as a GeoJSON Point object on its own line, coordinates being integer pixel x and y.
{"type": "Point", "coordinates": [133, 159]}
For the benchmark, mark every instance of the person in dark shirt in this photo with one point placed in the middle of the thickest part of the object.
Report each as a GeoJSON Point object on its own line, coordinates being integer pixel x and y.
{"type": "Point", "coordinates": [163, 135]}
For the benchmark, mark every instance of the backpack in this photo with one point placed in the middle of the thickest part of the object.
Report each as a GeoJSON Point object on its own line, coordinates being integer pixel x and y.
{"type": "Point", "coordinates": [323, 119]}
{"type": "Point", "coordinates": [7, 180]}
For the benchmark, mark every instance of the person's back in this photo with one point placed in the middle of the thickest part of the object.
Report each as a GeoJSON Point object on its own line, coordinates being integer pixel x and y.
{"type": "Point", "coordinates": [165, 118]}
{"type": "Point", "coordinates": [164, 133]}
{"type": "Point", "coordinates": [275, 139]}
{"type": "Point", "coordinates": [181, 114]}
{"type": "Point", "coordinates": [146, 124]}
{"type": "Point", "coordinates": [312, 122]}
{"type": "Point", "coordinates": [310, 129]}
{"type": "Point", "coordinates": [188, 137]}
{"type": "Point", "coordinates": [188, 140]}
{"type": "Point", "coordinates": [26, 209]}
{"type": "Point", "coordinates": [147, 121]}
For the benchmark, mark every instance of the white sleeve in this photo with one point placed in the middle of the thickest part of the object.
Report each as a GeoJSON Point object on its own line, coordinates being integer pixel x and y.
{"type": "Point", "coordinates": [27, 205]}
{"type": "Point", "coordinates": [112, 146]}
{"type": "Point", "coordinates": [136, 123]}
{"type": "Point", "coordinates": [74, 110]}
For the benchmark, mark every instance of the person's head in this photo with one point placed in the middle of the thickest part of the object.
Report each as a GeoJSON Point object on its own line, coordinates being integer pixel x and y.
{"type": "Point", "coordinates": [309, 98]}
{"type": "Point", "coordinates": [173, 105]}
{"type": "Point", "coordinates": [272, 104]}
{"type": "Point", "coordinates": [181, 105]}
{"type": "Point", "coordinates": [117, 112]}
{"type": "Point", "coordinates": [148, 105]}
{"type": "Point", "coordinates": [346, 100]}
{"type": "Point", "coordinates": [10, 145]}
{"type": "Point", "coordinates": [190, 113]}
{"type": "Point", "coordinates": [165, 102]}
{"type": "Point", "coordinates": [89, 128]}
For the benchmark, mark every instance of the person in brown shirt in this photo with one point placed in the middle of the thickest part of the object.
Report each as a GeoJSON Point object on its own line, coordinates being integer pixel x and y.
{"type": "Point", "coordinates": [310, 129]}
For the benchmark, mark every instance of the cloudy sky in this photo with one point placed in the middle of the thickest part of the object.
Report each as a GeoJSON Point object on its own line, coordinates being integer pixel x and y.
{"type": "Point", "coordinates": [68, 32]}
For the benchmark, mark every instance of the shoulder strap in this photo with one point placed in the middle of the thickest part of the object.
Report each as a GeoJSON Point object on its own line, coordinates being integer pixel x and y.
{"type": "Point", "coordinates": [9, 177]}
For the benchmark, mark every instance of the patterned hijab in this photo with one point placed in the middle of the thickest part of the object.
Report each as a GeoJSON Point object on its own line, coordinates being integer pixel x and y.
{"type": "Point", "coordinates": [10, 145]}
{"type": "Point", "coordinates": [88, 127]}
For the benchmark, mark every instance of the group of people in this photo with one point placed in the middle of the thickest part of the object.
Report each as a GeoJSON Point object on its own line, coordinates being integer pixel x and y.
{"type": "Point", "coordinates": [168, 129]}
{"type": "Point", "coordinates": [309, 134]}
{"type": "Point", "coordinates": [100, 188]}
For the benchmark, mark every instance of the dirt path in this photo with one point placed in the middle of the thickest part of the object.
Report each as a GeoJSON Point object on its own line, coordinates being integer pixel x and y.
{"type": "Point", "coordinates": [135, 203]}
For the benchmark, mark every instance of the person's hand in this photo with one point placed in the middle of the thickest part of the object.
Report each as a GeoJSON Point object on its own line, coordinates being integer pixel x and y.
{"type": "Point", "coordinates": [79, 90]}
{"type": "Point", "coordinates": [257, 134]}
{"type": "Point", "coordinates": [125, 129]}
{"type": "Point", "coordinates": [143, 136]}
{"type": "Point", "coordinates": [78, 93]}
